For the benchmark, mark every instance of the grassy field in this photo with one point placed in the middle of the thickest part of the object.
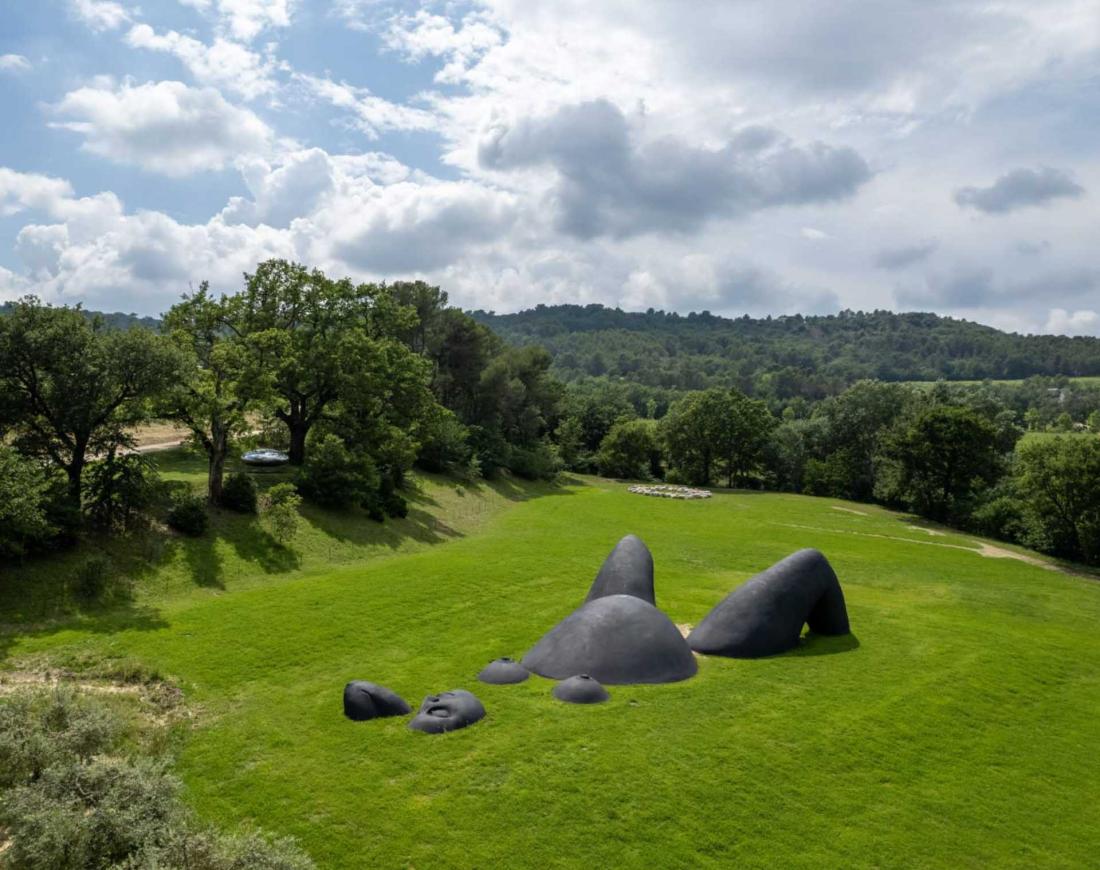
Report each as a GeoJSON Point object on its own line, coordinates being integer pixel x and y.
{"type": "Point", "coordinates": [957, 727]}
{"type": "Point", "coordinates": [1083, 380]}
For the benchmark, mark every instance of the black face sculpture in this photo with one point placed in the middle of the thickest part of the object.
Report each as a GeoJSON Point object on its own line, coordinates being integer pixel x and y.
{"type": "Point", "coordinates": [504, 671]}
{"type": "Point", "coordinates": [581, 689]}
{"type": "Point", "coordinates": [363, 700]}
{"type": "Point", "coordinates": [447, 711]}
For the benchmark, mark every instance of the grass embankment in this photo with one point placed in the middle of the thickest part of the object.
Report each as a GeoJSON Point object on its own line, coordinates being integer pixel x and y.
{"type": "Point", "coordinates": [956, 728]}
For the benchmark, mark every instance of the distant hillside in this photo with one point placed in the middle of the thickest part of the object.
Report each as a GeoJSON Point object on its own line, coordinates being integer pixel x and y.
{"type": "Point", "coordinates": [114, 319]}
{"type": "Point", "coordinates": [792, 355]}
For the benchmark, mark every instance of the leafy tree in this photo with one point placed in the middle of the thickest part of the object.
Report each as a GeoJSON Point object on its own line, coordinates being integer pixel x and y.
{"type": "Point", "coordinates": [631, 450]}
{"type": "Point", "coordinates": [688, 437]}
{"type": "Point", "coordinates": [24, 503]}
{"type": "Point", "coordinates": [941, 457]}
{"type": "Point", "coordinates": [280, 506]}
{"type": "Point", "coordinates": [118, 488]}
{"type": "Point", "coordinates": [1058, 484]}
{"type": "Point", "coordinates": [239, 493]}
{"type": "Point", "coordinates": [335, 476]}
{"type": "Point", "coordinates": [223, 379]}
{"type": "Point", "coordinates": [73, 388]}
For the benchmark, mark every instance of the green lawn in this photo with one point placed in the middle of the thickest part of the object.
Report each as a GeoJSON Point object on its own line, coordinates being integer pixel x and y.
{"type": "Point", "coordinates": [957, 728]}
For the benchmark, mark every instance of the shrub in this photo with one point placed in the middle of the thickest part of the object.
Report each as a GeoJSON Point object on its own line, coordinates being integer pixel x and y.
{"type": "Point", "coordinates": [333, 476]}
{"type": "Point", "coordinates": [445, 446]}
{"type": "Point", "coordinates": [280, 510]}
{"type": "Point", "coordinates": [539, 462]}
{"type": "Point", "coordinates": [25, 496]}
{"type": "Point", "coordinates": [117, 489]}
{"type": "Point", "coordinates": [92, 578]}
{"type": "Point", "coordinates": [239, 493]}
{"type": "Point", "coordinates": [630, 449]}
{"type": "Point", "coordinates": [188, 515]}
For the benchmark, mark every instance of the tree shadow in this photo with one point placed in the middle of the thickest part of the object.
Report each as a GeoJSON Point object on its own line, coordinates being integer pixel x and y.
{"type": "Point", "coordinates": [104, 619]}
{"type": "Point", "coordinates": [812, 644]}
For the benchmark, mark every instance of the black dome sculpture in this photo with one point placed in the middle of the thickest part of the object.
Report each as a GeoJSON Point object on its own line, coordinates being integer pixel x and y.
{"type": "Point", "coordinates": [764, 616]}
{"type": "Point", "coordinates": [628, 570]}
{"type": "Point", "coordinates": [617, 639]}
{"type": "Point", "coordinates": [581, 689]}
{"type": "Point", "coordinates": [363, 701]}
{"type": "Point", "coordinates": [447, 711]}
{"type": "Point", "coordinates": [503, 671]}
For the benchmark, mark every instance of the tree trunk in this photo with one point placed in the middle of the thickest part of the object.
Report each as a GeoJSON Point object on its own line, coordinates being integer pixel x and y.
{"type": "Point", "coordinates": [299, 429]}
{"type": "Point", "coordinates": [219, 448]}
{"type": "Point", "coordinates": [75, 472]}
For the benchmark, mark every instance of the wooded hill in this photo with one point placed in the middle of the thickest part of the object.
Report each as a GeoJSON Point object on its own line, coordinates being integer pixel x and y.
{"type": "Point", "coordinates": [796, 354]}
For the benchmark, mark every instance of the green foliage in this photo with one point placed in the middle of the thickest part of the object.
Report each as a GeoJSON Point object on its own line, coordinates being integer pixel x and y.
{"type": "Point", "coordinates": [25, 496]}
{"type": "Point", "coordinates": [632, 450]}
{"type": "Point", "coordinates": [445, 445]}
{"type": "Point", "coordinates": [118, 489]}
{"type": "Point", "coordinates": [940, 459]}
{"type": "Point", "coordinates": [281, 504]}
{"type": "Point", "coordinates": [1057, 481]}
{"type": "Point", "coordinates": [93, 578]}
{"type": "Point", "coordinates": [239, 493]}
{"type": "Point", "coordinates": [188, 515]}
{"type": "Point", "coordinates": [537, 461]}
{"type": "Point", "coordinates": [334, 476]}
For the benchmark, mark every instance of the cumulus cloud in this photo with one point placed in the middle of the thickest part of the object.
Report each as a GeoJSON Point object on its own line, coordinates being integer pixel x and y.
{"type": "Point", "coordinates": [1082, 322]}
{"type": "Point", "coordinates": [1020, 188]}
{"type": "Point", "coordinates": [223, 63]}
{"type": "Point", "coordinates": [283, 192]}
{"type": "Point", "coordinates": [101, 15]}
{"type": "Point", "coordinates": [906, 255]}
{"type": "Point", "coordinates": [164, 127]}
{"type": "Point", "coordinates": [613, 182]}
{"type": "Point", "coordinates": [14, 63]}
{"type": "Point", "coordinates": [26, 190]}
{"type": "Point", "coordinates": [246, 19]}
{"type": "Point", "coordinates": [373, 115]}
{"type": "Point", "coordinates": [425, 34]}
{"type": "Point", "coordinates": [968, 286]}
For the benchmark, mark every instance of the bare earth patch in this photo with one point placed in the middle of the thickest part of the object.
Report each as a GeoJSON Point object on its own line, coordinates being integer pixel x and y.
{"type": "Point", "coordinates": [837, 507]}
{"type": "Point", "coordinates": [923, 529]}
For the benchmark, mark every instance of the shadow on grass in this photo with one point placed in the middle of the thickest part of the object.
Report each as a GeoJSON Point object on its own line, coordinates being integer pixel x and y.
{"type": "Point", "coordinates": [824, 645]}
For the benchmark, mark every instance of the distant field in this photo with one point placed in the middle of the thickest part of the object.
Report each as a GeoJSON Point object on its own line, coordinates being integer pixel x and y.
{"type": "Point", "coordinates": [1088, 380]}
{"type": "Point", "coordinates": [957, 728]}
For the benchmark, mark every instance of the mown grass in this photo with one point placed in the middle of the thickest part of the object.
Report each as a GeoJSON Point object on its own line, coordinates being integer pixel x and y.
{"type": "Point", "coordinates": [957, 727]}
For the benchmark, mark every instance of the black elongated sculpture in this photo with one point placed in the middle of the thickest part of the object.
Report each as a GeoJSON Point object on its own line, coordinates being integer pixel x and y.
{"type": "Point", "coordinates": [764, 615]}
{"type": "Point", "coordinates": [618, 639]}
{"type": "Point", "coordinates": [364, 700]}
{"type": "Point", "coordinates": [447, 711]}
{"type": "Point", "coordinates": [503, 672]}
{"type": "Point", "coordinates": [628, 570]}
{"type": "Point", "coordinates": [581, 689]}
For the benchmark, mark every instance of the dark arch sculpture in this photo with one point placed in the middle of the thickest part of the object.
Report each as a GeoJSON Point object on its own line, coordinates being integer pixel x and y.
{"type": "Point", "coordinates": [447, 711]}
{"type": "Point", "coordinates": [364, 700]}
{"type": "Point", "coordinates": [628, 570]}
{"type": "Point", "coordinates": [764, 616]}
{"type": "Point", "coordinates": [618, 639]}
{"type": "Point", "coordinates": [503, 672]}
{"type": "Point", "coordinates": [581, 689]}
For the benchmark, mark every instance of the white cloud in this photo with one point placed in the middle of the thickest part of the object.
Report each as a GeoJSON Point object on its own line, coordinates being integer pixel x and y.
{"type": "Point", "coordinates": [164, 127]}
{"type": "Point", "coordinates": [101, 15]}
{"type": "Point", "coordinates": [246, 19]}
{"type": "Point", "coordinates": [373, 115]}
{"type": "Point", "coordinates": [426, 34]}
{"type": "Point", "coordinates": [1082, 322]}
{"type": "Point", "coordinates": [223, 63]}
{"type": "Point", "coordinates": [14, 63]}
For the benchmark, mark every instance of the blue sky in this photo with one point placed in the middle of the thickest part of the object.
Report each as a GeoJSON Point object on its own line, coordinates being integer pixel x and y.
{"type": "Point", "coordinates": [759, 156]}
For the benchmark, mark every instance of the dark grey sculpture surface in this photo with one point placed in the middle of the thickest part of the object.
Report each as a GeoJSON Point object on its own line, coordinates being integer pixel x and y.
{"type": "Point", "coordinates": [503, 671]}
{"type": "Point", "coordinates": [616, 639]}
{"type": "Point", "coordinates": [764, 615]}
{"type": "Point", "coordinates": [628, 570]}
{"type": "Point", "coordinates": [581, 689]}
{"type": "Point", "coordinates": [364, 700]}
{"type": "Point", "coordinates": [447, 711]}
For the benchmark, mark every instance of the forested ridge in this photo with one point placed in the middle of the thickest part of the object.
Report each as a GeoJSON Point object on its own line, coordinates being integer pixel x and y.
{"type": "Point", "coordinates": [791, 355]}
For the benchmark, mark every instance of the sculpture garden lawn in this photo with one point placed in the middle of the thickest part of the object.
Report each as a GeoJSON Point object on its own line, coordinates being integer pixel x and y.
{"type": "Point", "coordinates": [957, 726]}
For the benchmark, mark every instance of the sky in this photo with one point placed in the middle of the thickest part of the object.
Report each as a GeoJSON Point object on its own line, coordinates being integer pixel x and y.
{"type": "Point", "coordinates": [736, 156]}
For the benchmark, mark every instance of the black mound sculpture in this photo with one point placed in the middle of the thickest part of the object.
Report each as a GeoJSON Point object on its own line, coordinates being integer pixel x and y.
{"type": "Point", "coordinates": [764, 616]}
{"type": "Point", "coordinates": [617, 639]}
{"type": "Point", "coordinates": [628, 570]}
{"type": "Point", "coordinates": [363, 701]}
{"type": "Point", "coordinates": [581, 689]}
{"type": "Point", "coordinates": [502, 672]}
{"type": "Point", "coordinates": [447, 711]}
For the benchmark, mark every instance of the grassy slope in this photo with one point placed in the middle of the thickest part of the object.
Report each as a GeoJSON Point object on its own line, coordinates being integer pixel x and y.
{"type": "Point", "coordinates": [958, 730]}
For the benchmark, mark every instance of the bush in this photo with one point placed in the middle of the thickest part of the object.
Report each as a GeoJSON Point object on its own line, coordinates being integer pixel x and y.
{"type": "Point", "coordinates": [93, 578]}
{"type": "Point", "coordinates": [333, 476]}
{"type": "Point", "coordinates": [539, 462]}
{"type": "Point", "coordinates": [25, 495]}
{"type": "Point", "coordinates": [239, 493]}
{"type": "Point", "coordinates": [446, 445]}
{"type": "Point", "coordinates": [280, 510]}
{"type": "Point", "coordinates": [117, 489]}
{"type": "Point", "coordinates": [395, 506]}
{"type": "Point", "coordinates": [188, 515]}
{"type": "Point", "coordinates": [630, 449]}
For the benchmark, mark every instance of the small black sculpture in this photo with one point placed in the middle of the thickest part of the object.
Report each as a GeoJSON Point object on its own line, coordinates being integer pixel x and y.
{"type": "Point", "coordinates": [628, 570]}
{"type": "Point", "coordinates": [503, 671]}
{"type": "Point", "coordinates": [363, 701]}
{"type": "Point", "coordinates": [616, 639]}
{"type": "Point", "coordinates": [581, 689]}
{"type": "Point", "coordinates": [447, 711]}
{"type": "Point", "coordinates": [764, 616]}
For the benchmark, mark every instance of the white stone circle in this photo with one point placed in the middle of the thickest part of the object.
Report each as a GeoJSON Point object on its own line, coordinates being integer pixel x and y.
{"type": "Point", "coordinates": [667, 490]}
